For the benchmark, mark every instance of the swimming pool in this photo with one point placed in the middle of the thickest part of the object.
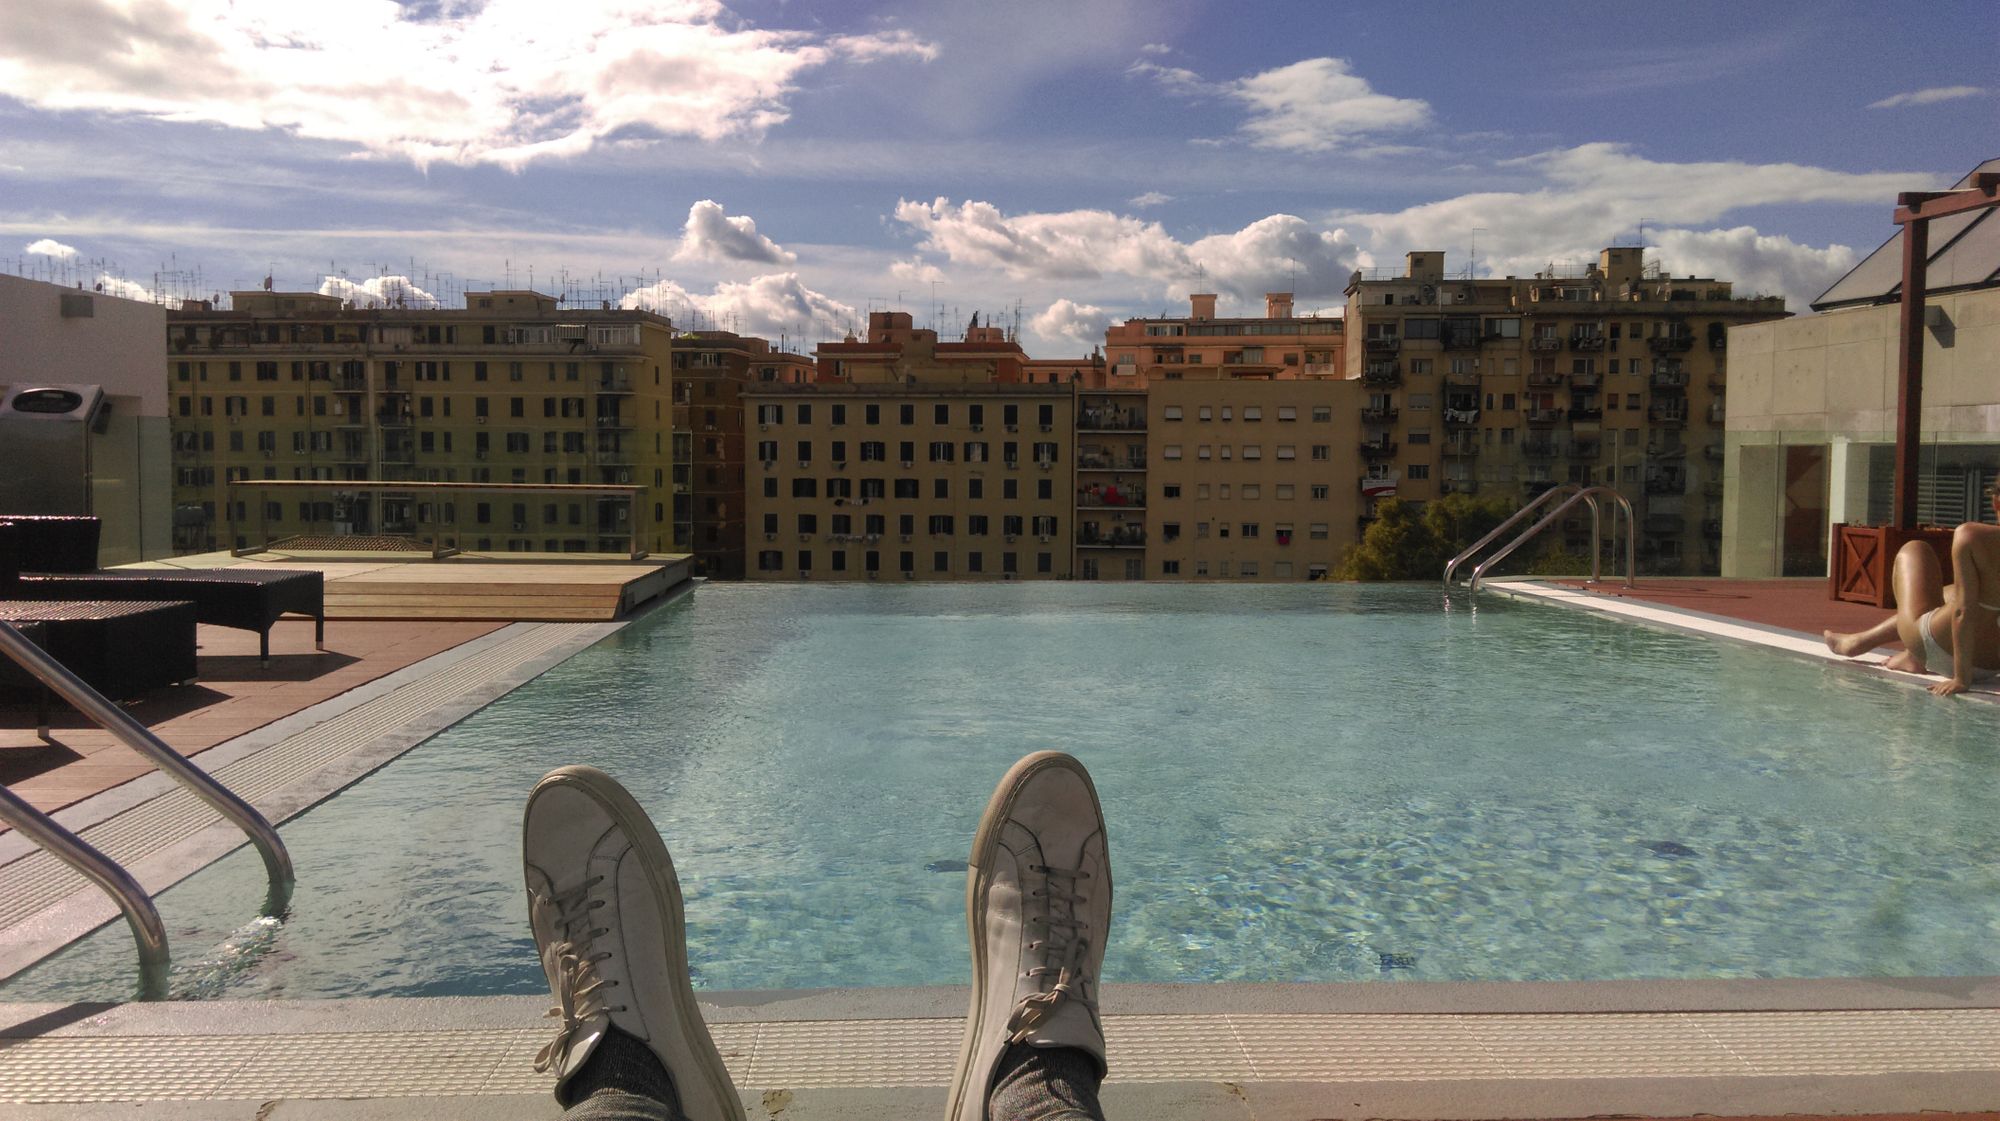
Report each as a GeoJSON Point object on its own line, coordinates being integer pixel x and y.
{"type": "Point", "coordinates": [1313, 783]}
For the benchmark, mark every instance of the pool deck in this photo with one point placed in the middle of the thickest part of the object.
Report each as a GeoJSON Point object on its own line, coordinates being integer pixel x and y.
{"type": "Point", "coordinates": [294, 734]}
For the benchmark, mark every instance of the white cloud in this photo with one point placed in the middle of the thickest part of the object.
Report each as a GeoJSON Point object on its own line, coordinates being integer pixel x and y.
{"type": "Point", "coordinates": [1155, 48]}
{"type": "Point", "coordinates": [918, 270]}
{"type": "Point", "coordinates": [132, 290]}
{"type": "Point", "coordinates": [381, 291]}
{"type": "Point", "coordinates": [771, 305]}
{"type": "Point", "coordinates": [1930, 96]}
{"type": "Point", "coordinates": [1318, 104]}
{"type": "Point", "coordinates": [1279, 253]}
{"type": "Point", "coordinates": [504, 81]}
{"type": "Point", "coordinates": [711, 235]}
{"type": "Point", "coordinates": [1314, 105]}
{"type": "Point", "coordinates": [50, 247]}
{"type": "Point", "coordinates": [1759, 264]}
{"type": "Point", "coordinates": [1150, 198]}
{"type": "Point", "coordinates": [1070, 322]}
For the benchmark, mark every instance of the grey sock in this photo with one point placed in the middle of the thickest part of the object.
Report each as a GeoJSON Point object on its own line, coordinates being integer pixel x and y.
{"type": "Point", "coordinates": [1045, 1084]}
{"type": "Point", "coordinates": [622, 1079]}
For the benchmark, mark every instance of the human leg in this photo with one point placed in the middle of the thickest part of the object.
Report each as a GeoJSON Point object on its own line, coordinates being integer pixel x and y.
{"type": "Point", "coordinates": [605, 909]}
{"type": "Point", "coordinates": [1918, 583]}
{"type": "Point", "coordinates": [1038, 906]}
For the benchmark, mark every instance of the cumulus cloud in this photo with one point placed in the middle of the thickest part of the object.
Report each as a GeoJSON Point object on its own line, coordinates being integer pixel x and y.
{"type": "Point", "coordinates": [1930, 96]}
{"type": "Point", "coordinates": [381, 291]}
{"type": "Point", "coordinates": [1150, 198]}
{"type": "Point", "coordinates": [1759, 264]}
{"type": "Point", "coordinates": [1314, 105]}
{"type": "Point", "coordinates": [1155, 48]}
{"type": "Point", "coordinates": [133, 290]}
{"type": "Point", "coordinates": [50, 247]}
{"type": "Point", "coordinates": [1280, 252]}
{"type": "Point", "coordinates": [918, 270]}
{"type": "Point", "coordinates": [771, 305]}
{"type": "Point", "coordinates": [503, 81]}
{"type": "Point", "coordinates": [1068, 321]}
{"type": "Point", "coordinates": [711, 235]}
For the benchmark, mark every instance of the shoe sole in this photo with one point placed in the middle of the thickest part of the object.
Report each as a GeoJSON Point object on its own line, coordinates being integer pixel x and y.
{"type": "Point", "coordinates": [627, 814]}
{"type": "Point", "coordinates": [984, 841]}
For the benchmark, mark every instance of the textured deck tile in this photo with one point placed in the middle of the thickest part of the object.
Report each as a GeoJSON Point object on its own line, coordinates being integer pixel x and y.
{"type": "Point", "coordinates": [151, 1068]}
{"type": "Point", "coordinates": [1602, 1046]}
{"type": "Point", "coordinates": [368, 1064]}
{"type": "Point", "coordinates": [855, 1053]}
{"type": "Point", "coordinates": [1376, 1048]}
{"type": "Point", "coordinates": [1837, 1043]}
{"type": "Point", "coordinates": [1173, 1048]}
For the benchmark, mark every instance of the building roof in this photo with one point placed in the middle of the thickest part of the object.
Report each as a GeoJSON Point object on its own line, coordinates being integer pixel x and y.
{"type": "Point", "coordinates": [1965, 253]}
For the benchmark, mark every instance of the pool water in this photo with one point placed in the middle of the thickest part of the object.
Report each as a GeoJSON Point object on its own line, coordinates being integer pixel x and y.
{"type": "Point", "coordinates": [1302, 783]}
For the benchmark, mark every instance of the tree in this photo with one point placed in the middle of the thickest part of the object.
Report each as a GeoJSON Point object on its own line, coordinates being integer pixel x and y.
{"type": "Point", "coordinates": [1402, 544]}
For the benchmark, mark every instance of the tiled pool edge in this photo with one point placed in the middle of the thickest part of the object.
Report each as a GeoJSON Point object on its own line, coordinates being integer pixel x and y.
{"type": "Point", "coordinates": [1404, 1049]}
{"type": "Point", "coordinates": [1797, 644]}
{"type": "Point", "coordinates": [85, 908]}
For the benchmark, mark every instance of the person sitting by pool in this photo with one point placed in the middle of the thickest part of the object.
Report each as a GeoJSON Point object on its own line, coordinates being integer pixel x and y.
{"type": "Point", "coordinates": [605, 909]}
{"type": "Point", "coordinates": [1952, 630]}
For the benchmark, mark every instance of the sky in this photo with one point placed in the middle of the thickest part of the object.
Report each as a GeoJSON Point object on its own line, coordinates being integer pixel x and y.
{"type": "Point", "coordinates": [782, 168]}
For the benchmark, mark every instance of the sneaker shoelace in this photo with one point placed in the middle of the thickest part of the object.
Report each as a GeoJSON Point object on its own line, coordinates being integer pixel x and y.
{"type": "Point", "coordinates": [569, 961]}
{"type": "Point", "coordinates": [1065, 949]}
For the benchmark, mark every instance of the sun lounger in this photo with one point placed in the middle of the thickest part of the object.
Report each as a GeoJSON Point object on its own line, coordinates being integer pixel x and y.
{"type": "Point", "coordinates": [56, 558]}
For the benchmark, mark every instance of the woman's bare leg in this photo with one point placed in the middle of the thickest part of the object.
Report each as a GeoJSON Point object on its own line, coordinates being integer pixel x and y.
{"type": "Point", "coordinates": [1918, 582]}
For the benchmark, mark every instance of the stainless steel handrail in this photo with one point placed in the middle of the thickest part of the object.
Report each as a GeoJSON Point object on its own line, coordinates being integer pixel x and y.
{"type": "Point", "coordinates": [1541, 499]}
{"type": "Point", "coordinates": [1587, 495]}
{"type": "Point", "coordinates": [140, 914]}
{"type": "Point", "coordinates": [70, 687]}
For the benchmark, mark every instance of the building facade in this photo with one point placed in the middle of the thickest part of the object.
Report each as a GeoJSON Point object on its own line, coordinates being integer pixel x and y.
{"type": "Point", "coordinates": [1199, 346]}
{"type": "Point", "coordinates": [512, 389]}
{"type": "Point", "coordinates": [711, 371]}
{"type": "Point", "coordinates": [1613, 375]}
{"type": "Point", "coordinates": [910, 482]}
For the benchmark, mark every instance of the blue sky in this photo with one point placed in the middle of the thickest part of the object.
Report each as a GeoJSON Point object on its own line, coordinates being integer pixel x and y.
{"type": "Point", "coordinates": [785, 167]}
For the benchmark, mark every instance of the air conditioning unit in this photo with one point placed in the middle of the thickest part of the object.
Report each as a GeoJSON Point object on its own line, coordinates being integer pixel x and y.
{"type": "Point", "coordinates": [520, 527]}
{"type": "Point", "coordinates": [1048, 428]}
{"type": "Point", "coordinates": [909, 575]}
{"type": "Point", "coordinates": [479, 455]}
{"type": "Point", "coordinates": [1044, 464]}
{"type": "Point", "coordinates": [872, 538]}
{"type": "Point", "coordinates": [479, 420]}
{"type": "Point", "coordinates": [805, 538]}
{"type": "Point", "coordinates": [1013, 428]}
{"type": "Point", "coordinates": [769, 464]}
{"type": "Point", "coordinates": [1011, 538]}
{"type": "Point", "coordinates": [840, 465]}
{"type": "Point", "coordinates": [804, 463]}
{"type": "Point", "coordinates": [1013, 465]}
{"type": "Point", "coordinates": [770, 537]}
{"type": "Point", "coordinates": [979, 428]}
{"type": "Point", "coordinates": [907, 464]}
{"type": "Point", "coordinates": [1007, 576]}
{"type": "Point", "coordinates": [1045, 538]}
{"type": "Point", "coordinates": [805, 574]}
{"type": "Point", "coordinates": [624, 475]}
{"type": "Point", "coordinates": [763, 428]}
{"type": "Point", "coordinates": [873, 575]}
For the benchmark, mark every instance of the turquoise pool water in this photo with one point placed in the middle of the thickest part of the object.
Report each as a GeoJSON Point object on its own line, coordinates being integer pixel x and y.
{"type": "Point", "coordinates": [1303, 783]}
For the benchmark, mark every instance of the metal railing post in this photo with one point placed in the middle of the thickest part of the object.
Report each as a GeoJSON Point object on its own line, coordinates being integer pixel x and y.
{"type": "Point", "coordinates": [140, 914]}
{"type": "Point", "coordinates": [277, 862]}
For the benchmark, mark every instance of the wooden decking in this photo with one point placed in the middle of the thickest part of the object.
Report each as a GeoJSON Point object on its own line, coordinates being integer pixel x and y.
{"type": "Point", "coordinates": [544, 588]}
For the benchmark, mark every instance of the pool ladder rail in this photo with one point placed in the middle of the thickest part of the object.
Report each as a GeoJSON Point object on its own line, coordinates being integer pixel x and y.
{"type": "Point", "coordinates": [64, 845]}
{"type": "Point", "coordinates": [1563, 497]}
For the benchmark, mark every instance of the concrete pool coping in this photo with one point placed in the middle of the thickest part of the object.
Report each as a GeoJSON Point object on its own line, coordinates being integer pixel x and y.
{"type": "Point", "coordinates": [1405, 1049]}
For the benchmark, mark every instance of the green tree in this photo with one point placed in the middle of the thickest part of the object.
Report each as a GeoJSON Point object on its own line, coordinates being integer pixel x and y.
{"type": "Point", "coordinates": [1402, 544]}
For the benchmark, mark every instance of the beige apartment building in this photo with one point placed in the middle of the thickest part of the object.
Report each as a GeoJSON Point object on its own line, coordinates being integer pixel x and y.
{"type": "Point", "coordinates": [910, 482]}
{"type": "Point", "coordinates": [711, 371]}
{"type": "Point", "coordinates": [512, 389]}
{"type": "Point", "coordinates": [1200, 346]}
{"type": "Point", "coordinates": [1615, 374]}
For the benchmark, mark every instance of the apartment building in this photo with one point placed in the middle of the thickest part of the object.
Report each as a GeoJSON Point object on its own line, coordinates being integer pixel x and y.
{"type": "Point", "coordinates": [910, 482]}
{"type": "Point", "coordinates": [1199, 346]}
{"type": "Point", "coordinates": [711, 371]}
{"type": "Point", "coordinates": [1613, 374]}
{"type": "Point", "coordinates": [897, 351]}
{"type": "Point", "coordinates": [512, 389]}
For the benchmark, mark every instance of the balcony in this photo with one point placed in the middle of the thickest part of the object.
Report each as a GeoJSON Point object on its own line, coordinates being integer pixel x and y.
{"type": "Point", "coordinates": [1546, 380]}
{"type": "Point", "coordinates": [1380, 485]}
{"type": "Point", "coordinates": [1119, 537]}
{"type": "Point", "coordinates": [350, 383]}
{"type": "Point", "coordinates": [1712, 488]}
{"type": "Point", "coordinates": [1669, 379]}
{"type": "Point", "coordinates": [1666, 451]}
{"type": "Point", "coordinates": [1671, 344]}
{"type": "Point", "coordinates": [1382, 373]}
{"type": "Point", "coordinates": [1377, 449]}
{"type": "Point", "coordinates": [1712, 452]}
{"type": "Point", "coordinates": [1586, 412]}
{"type": "Point", "coordinates": [1111, 420]}
{"type": "Point", "coordinates": [607, 422]}
{"type": "Point", "coordinates": [1455, 417]}
{"type": "Point", "coordinates": [1664, 525]}
{"type": "Point", "coordinates": [1459, 486]}
{"type": "Point", "coordinates": [1716, 412]}
{"type": "Point", "coordinates": [1535, 488]}
{"type": "Point", "coordinates": [1110, 463]}
{"type": "Point", "coordinates": [1711, 528]}
{"type": "Point", "coordinates": [1461, 340]}
{"type": "Point", "coordinates": [1539, 449]}
{"type": "Point", "coordinates": [1458, 449]}
{"type": "Point", "coordinates": [1666, 482]}
{"type": "Point", "coordinates": [393, 418]}
{"type": "Point", "coordinates": [1545, 343]}
{"type": "Point", "coordinates": [1591, 341]}
{"type": "Point", "coordinates": [1543, 418]}
{"type": "Point", "coordinates": [1670, 413]}
{"type": "Point", "coordinates": [1379, 414]}
{"type": "Point", "coordinates": [1588, 381]}
{"type": "Point", "coordinates": [1384, 344]}
{"type": "Point", "coordinates": [1717, 382]}
{"type": "Point", "coordinates": [1110, 498]}
{"type": "Point", "coordinates": [617, 382]}
{"type": "Point", "coordinates": [1585, 449]}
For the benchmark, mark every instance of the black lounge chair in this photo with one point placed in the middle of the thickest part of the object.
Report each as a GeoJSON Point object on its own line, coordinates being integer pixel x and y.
{"type": "Point", "coordinates": [119, 649]}
{"type": "Point", "coordinates": [55, 558]}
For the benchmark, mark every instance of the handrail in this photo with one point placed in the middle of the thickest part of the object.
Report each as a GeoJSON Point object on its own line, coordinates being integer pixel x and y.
{"type": "Point", "coordinates": [277, 862]}
{"type": "Point", "coordinates": [1588, 495]}
{"type": "Point", "coordinates": [140, 914]}
{"type": "Point", "coordinates": [1451, 566]}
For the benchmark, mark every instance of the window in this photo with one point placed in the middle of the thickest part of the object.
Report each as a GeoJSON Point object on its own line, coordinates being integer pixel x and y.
{"type": "Point", "coordinates": [1170, 568]}
{"type": "Point", "coordinates": [1045, 416]}
{"type": "Point", "coordinates": [1206, 413]}
{"type": "Point", "coordinates": [1170, 490]}
{"type": "Point", "coordinates": [1171, 412]}
{"type": "Point", "coordinates": [1045, 562]}
{"type": "Point", "coordinates": [1171, 451]}
{"type": "Point", "coordinates": [872, 414]}
{"type": "Point", "coordinates": [872, 488]}
{"type": "Point", "coordinates": [1322, 412]}
{"type": "Point", "coordinates": [1253, 412]}
{"type": "Point", "coordinates": [805, 451]}
{"type": "Point", "coordinates": [906, 414]}
{"type": "Point", "coordinates": [1322, 452]}
{"type": "Point", "coordinates": [808, 523]}
{"type": "Point", "coordinates": [767, 451]}
{"type": "Point", "coordinates": [1201, 568]}
{"type": "Point", "coordinates": [1252, 490]}
{"type": "Point", "coordinates": [1286, 491]}
{"type": "Point", "coordinates": [1320, 490]}
{"type": "Point", "coordinates": [1420, 436]}
{"type": "Point", "coordinates": [1203, 451]}
{"type": "Point", "coordinates": [873, 451]}
{"type": "Point", "coordinates": [906, 488]}
{"type": "Point", "coordinates": [1249, 568]}
{"type": "Point", "coordinates": [1045, 488]}
{"type": "Point", "coordinates": [1420, 471]}
{"type": "Point", "coordinates": [1227, 412]}
{"type": "Point", "coordinates": [941, 414]}
{"type": "Point", "coordinates": [1287, 451]}
{"type": "Point", "coordinates": [1253, 451]}
{"type": "Point", "coordinates": [1420, 402]}
{"type": "Point", "coordinates": [1171, 531]}
{"type": "Point", "coordinates": [1045, 451]}
{"type": "Point", "coordinates": [907, 451]}
{"type": "Point", "coordinates": [940, 525]}
{"type": "Point", "coordinates": [805, 488]}
{"type": "Point", "coordinates": [1250, 529]}
{"type": "Point", "coordinates": [1200, 530]}
{"type": "Point", "coordinates": [940, 488]}
{"type": "Point", "coordinates": [975, 525]}
{"type": "Point", "coordinates": [839, 414]}
{"type": "Point", "coordinates": [942, 451]}
{"type": "Point", "coordinates": [1010, 524]}
{"type": "Point", "coordinates": [975, 488]}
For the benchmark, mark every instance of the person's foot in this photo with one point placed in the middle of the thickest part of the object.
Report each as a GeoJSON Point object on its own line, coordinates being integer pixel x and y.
{"type": "Point", "coordinates": [1845, 645]}
{"type": "Point", "coordinates": [605, 909]}
{"type": "Point", "coordinates": [1038, 907]}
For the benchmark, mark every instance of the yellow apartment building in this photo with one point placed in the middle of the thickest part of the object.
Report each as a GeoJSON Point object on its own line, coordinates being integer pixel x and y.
{"type": "Point", "coordinates": [1199, 346]}
{"type": "Point", "coordinates": [910, 482]}
{"type": "Point", "coordinates": [511, 389]}
{"type": "Point", "coordinates": [1614, 374]}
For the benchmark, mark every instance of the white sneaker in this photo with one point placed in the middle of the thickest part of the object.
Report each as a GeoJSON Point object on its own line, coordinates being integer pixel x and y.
{"type": "Point", "coordinates": [606, 913]}
{"type": "Point", "coordinates": [1038, 906]}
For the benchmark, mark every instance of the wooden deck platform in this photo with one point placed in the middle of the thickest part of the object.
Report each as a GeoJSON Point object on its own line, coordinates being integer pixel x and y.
{"type": "Point", "coordinates": [510, 587]}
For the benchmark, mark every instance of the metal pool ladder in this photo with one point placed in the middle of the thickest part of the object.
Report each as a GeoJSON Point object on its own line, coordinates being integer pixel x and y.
{"type": "Point", "coordinates": [140, 914]}
{"type": "Point", "coordinates": [1569, 495]}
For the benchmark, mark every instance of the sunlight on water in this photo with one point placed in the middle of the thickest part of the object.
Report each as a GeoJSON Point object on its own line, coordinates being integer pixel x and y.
{"type": "Point", "coordinates": [1314, 783]}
